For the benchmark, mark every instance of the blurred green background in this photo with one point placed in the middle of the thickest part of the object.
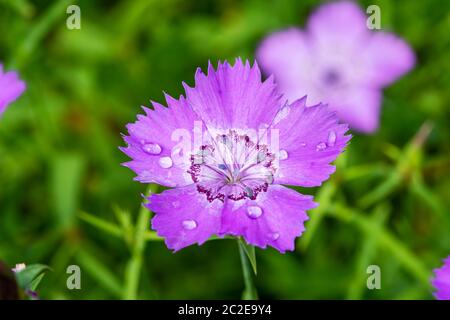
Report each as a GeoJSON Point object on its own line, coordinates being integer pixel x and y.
{"type": "Point", "coordinates": [65, 199]}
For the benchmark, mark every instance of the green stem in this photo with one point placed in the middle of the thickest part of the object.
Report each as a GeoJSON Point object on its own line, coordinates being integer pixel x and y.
{"type": "Point", "coordinates": [134, 265]}
{"type": "Point", "coordinates": [250, 290]}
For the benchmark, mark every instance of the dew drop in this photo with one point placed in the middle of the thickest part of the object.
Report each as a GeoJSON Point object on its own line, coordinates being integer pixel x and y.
{"type": "Point", "coordinates": [254, 212]}
{"type": "Point", "coordinates": [331, 139]}
{"type": "Point", "coordinates": [189, 224]}
{"type": "Point", "coordinates": [283, 154]}
{"type": "Point", "coordinates": [176, 204]}
{"type": "Point", "coordinates": [321, 146]}
{"type": "Point", "coordinates": [274, 236]}
{"type": "Point", "coordinates": [152, 148]}
{"type": "Point", "coordinates": [303, 144]}
{"type": "Point", "coordinates": [165, 162]}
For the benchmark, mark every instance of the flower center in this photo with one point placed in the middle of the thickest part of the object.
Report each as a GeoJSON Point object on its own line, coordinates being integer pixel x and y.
{"type": "Point", "coordinates": [331, 78]}
{"type": "Point", "coordinates": [232, 166]}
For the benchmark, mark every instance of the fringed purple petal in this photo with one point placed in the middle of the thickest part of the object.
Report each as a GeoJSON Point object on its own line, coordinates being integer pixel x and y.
{"type": "Point", "coordinates": [275, 219]}
{"type": "Point", "coordinates": [310, 139]}
{"type": "Point", "coordinates": [184, 217]}
{"type": "Point", "coordinates": [154, 146]}
{"type": "Point", "coordinates": [233, 96]}
{"type": "Point", "coordinates": [441, 281]}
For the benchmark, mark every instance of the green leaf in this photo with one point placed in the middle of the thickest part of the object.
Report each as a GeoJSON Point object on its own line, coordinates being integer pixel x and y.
{"type": "Point", "coordinates": [134, 265]}
{"type": "Point", "coordinates": [420, 189]}
{"type": "Point", "coordinates": [100, 271]}
{"type": "Point", "coordinates": [101, 224]}
{"type": "Point", "coordinates": [384, 238]}
{"type": "Point", "coordinates": [250, 252]}
{"type": "Point", "coordinates": [124, 219]}
{"type": "Point", "coordinates": [35, 283]}
{"type": "Point", "coordinates": [382, 191]}
{"type": "Point", "coordinates": [23, 7]}
{"type": "Point", "coordinates": [367, 252]}
{"type": "Point", "coordinates": [152, 236]}
{"type": "Point", "coordinates": [39, 30]}
{"type": "Point", "coordinates": [67, 172]}
{"type": "Point", "coordinates": [324, 197]}
{"type": "Point", "coordinates": [30, 277]}
{"type": "Point", "coordinates": [115, 230]}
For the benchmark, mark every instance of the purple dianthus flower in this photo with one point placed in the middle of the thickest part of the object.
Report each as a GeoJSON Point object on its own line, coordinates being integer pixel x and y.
{"type": "Point", "coordinates": [338, 61]}
{"type": "Point", "coordinates": [441, 282]}
{"type": "Point", "coordinates": [11, 87]}
{"type": "Point", "coordinates": [230, 180]}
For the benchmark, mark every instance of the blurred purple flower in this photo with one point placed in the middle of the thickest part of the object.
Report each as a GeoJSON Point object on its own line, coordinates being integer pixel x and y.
{"type": "Point", "coordinates": [11, 87]}
{"type": "Point", "coordinates": [231, 182]}
{"type": "Point", "coordinates": [338, 61]}
{"type": "Point", "coordinates": [441, 282]}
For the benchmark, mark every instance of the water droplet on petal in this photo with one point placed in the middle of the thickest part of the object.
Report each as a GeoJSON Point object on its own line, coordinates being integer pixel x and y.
{"type": "Point", "coordinates": [165, 162]}
{"type": "Point", "coordinates": [274, 236]}
{"type": "Point", "coordinates": [189, 224]}
{"type": "Point", "coordinates": [152, 148]}
{"type": "Point", "coordinates": [331, 138]}
{"type": "Point", "coordinates": [303, 144]}
{"type": "Point", "coordinates": [283, 154]}
{"type": "Point", "coordinates": [176, 204]}
{"type": "Point", "coordinates": [254, 212]}
{"type": "Point", "coordinates": [321, 146]}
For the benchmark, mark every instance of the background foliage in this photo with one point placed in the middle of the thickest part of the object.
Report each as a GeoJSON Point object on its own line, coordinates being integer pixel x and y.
{"type": "Point", "coordinates": [60, 167]}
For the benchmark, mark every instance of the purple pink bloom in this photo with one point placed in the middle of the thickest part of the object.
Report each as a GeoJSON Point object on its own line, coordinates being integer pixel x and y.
{"type": "Point", "coordinates": [441, 281]}
{"type": "Point", "coordinates": [11, 87]}
{"type": "Point", "coordinates": [337, 60]}
{"type": "Point", "coordinates": [232, 181]}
